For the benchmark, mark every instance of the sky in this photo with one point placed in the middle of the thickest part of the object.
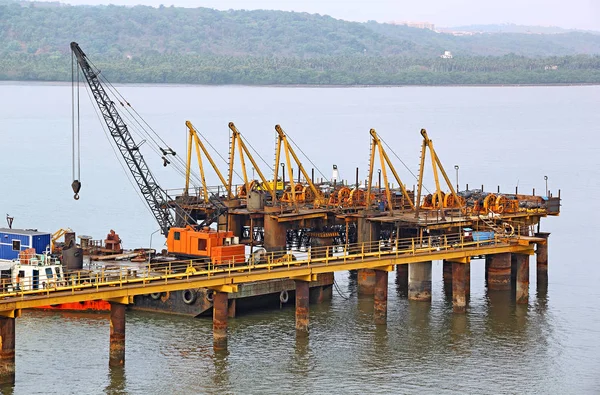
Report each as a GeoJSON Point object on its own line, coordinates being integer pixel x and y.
{"type": "Point", "coordinates": [571, 14]}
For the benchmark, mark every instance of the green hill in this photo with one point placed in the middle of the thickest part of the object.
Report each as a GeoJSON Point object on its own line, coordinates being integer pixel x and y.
{"type": "Point", "coordinates": [200, 45]}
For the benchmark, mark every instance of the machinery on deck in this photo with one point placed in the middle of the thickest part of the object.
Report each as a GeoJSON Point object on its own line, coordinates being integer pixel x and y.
{"type": "Point", "coordinates": [184, 236]}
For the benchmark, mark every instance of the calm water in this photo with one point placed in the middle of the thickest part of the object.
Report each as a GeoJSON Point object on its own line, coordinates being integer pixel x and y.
{"type": "Point", "coordinates": [498, 136]}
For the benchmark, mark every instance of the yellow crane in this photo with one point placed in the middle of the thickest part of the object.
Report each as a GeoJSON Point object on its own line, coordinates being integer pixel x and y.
{"type": "Point", "coordinates": [238, 141]}
{"type": "Point", "coordinates": [310, 193]}
{"type": "Point", "coordinates": [376, 146]}
{"type": "Point", "coordinates": [57, 235]}
{"type": "Point", "coordinates": [437, 200]}
{"type": "Point", "coordinates": [194, 140]}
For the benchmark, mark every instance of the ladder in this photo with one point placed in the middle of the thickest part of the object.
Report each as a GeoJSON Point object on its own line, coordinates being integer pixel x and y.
{"type": "Point", "coordinates": [501, 229]}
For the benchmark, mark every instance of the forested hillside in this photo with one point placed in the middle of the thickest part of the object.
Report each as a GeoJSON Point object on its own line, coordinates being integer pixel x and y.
{"type": "Point", "coordinates": [180, 45]}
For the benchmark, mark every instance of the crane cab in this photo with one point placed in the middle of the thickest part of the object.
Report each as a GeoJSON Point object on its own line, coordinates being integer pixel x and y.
{"type": "Point", "coordinates": [221, 247]}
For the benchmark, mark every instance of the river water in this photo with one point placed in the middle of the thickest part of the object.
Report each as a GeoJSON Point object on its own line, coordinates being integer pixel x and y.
{"type": "Point", "coordinates": [499, 136]}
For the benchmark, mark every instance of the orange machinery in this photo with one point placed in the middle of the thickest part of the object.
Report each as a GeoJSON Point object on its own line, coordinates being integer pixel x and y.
{"type": "Point", "coordinates": [221, 247]}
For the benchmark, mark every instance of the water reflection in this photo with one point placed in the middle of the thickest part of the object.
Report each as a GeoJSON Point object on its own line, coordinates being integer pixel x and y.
{"type": "Point", "coordinates": [7, 389]}
{"type": "Point", "coordinates": [504, 317]}
{"type": "Point", "coordinates": [220, 377]}
{"type": "Point", "coordinates": [352, 282]}
{"type": "Point", "coordinates": [541, 302]}
{"type": "Point", "coordinates": [302, 358]}
{"type": "Point", "coordinates": [116, 380]}
{"type": "Point", "coordinates": [366, 308]}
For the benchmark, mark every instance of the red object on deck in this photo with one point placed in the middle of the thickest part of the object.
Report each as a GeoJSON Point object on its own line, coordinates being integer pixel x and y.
{"type": "Point", "coordinates": [113, 242]}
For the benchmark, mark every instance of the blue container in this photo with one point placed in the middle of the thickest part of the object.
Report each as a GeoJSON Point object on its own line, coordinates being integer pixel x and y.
{"type": "Point", "coordinates": [482, 236]}
{"type": "Point", "coordinates": [13, 241]}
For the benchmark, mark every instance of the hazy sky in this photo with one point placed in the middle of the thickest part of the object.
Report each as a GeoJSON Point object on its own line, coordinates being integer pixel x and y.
{"type": "Point", "coordinates": [581, 14]}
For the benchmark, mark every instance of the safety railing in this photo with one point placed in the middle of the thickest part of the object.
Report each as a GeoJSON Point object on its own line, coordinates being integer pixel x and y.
{"type": "Point", "coordinates": [427, 246]}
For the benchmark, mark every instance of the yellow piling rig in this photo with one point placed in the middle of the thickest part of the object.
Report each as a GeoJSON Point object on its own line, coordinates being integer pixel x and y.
{"type": "Point", "coordinates": [439, 199]}
{"type": "Point", "coordinates": [194, 140]}
{"type": "Point", "coordinates": [305, 194]}
{"type": "Point", "coordinates": [376, 146]}
{"type": "Point", "coordinates": [237, 140]}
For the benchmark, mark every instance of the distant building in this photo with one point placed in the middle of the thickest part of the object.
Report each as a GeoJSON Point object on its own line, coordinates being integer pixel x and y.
{"type": "Point", "coordinates": [553, 67]}
{"type": "Point", "coordinates": [446, 55]}
{"type": "Point", "coordinates": [418, 25]}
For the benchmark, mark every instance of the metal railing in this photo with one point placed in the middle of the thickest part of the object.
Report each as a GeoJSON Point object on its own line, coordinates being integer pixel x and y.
{"type": "Point", "coordinates": [178, 270]}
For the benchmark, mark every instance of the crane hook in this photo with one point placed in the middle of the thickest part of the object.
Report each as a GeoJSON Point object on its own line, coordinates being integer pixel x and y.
{"type": "Point", "coordinates": [76, 185]}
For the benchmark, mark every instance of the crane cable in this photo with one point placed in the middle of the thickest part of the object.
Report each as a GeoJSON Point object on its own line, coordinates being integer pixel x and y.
{"type": "Point", "coordinates": [307, 158]}
{"type": "Point", "coordinates": [404, 164]}
{"type": "Point", "coordinates": [216, 151]}
{"type": "Point", "coordinates": [134, 118]}
{"type": "Point", "coordinates": [76, 146]}
{"type": "Point", "coordinates": [117, 156]}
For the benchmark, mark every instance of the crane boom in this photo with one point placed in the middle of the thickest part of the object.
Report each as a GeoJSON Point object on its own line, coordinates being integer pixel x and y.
{"type": "Point", "coordinates": [156, 198]}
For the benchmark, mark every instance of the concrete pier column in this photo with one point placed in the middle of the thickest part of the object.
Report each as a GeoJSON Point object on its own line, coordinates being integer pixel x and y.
{"type": "Point", "coordinates": [542, 260]}
{"type": "Point", "coordinates": [275, 232]}
{"type": "Point", "coordinates": [7, 350]}
{"type": "Point", "coordinates": [366, 281]}
{"type": "Point", "coordinates": [381, 296]}
{"type": "Point", "coordinates": [447, 277]}
{"type": "Point", "coordinates": [220, 312]}
{"type": "Point", "coordinates": [117, 334]}
{"type": "Point", "coordinates": [498, 271]}
{"type": "Point", "coordinates": [302, 309]}
{"type": "Point", "coordinates": [419, 281]}
{"type": "Point", "coordinates": [459, 296]}
{"type": "Point", "coordinates": [402, 279]}
{"type": "Point", "coordinates": [522, 263]}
